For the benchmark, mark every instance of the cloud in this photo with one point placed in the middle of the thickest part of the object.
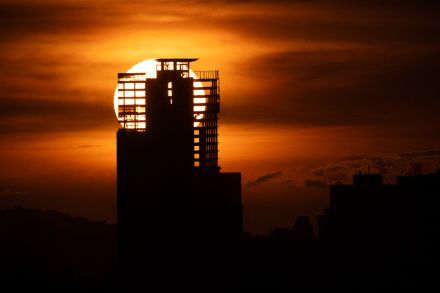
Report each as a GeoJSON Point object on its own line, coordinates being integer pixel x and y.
{"type": "Point", "coordinates": [336, 170]}
{"type": "Point", "coordinates": [18, 115]}
{"type": "Point", "coordinates": [263, 179]}
{"type": "Point", "coordinates": [342, 87]}
{"type": "Point", "coordinates": [35, 18]}
{"type": "Point", "coordinates": [8, 192]}
{"type": "Point", "coordinates": [340, 77]}
{"type": "Point", "coordinates": [89, 146]}
{"type": "Point", "coordinates": [340, 21]}
{"type": "Point", "coordinates": [319, 172]}
{"type": "Point", "coordinates": [390, 165]}
{"type": "Point", "coordinates": [22, 19]}
{"type": "Point", "coordinates": [378, 3]}
{"type": "Point", "coordinates": [330, 171]}
{"type": "Point", "coordinates": [315, 183]}
{"type": "Point", "coordinates": [279, 20]}
{"type": "Point", "coordinates": [429, 153]}
{"type": "Point", "coordinates": [30, 17]}
{"type": "Point", "coordinates": [286, 182]}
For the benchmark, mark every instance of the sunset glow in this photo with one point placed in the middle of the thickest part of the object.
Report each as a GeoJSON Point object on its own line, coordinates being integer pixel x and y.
{"type": "Point", "coordinates": [306, 87]}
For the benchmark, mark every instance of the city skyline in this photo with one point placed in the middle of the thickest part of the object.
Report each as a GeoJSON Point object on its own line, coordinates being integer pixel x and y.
{"type": "Point", "coordinates": [311, 93]}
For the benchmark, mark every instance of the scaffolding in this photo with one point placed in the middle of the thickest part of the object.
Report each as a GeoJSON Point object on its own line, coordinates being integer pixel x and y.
{"type": "Point", "coordinates": [206, 119]}
{"type": "Point", "coordinates": [132, 102]}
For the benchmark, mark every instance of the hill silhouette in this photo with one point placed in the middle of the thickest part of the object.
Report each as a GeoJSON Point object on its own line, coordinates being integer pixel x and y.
{"type": "Point", "coordinates": [54, 251]}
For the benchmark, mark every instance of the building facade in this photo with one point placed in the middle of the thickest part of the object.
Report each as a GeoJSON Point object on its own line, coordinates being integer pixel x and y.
{"type": "Point", "coordinates": [171, 195]}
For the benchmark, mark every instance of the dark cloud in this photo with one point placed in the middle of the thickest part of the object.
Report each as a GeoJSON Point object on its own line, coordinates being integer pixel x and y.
{"type": "Point", "coordinates": [355, 157]}
{"type": "Point", "coordinates": [315, 183]}
{"type": "Point", "coordinates": [83, 19]}
{"type": "Point", "coordinates": [339, 21]}
{"type": "Point", "coordinates": [389, 165]}
{"type": "Point", "coordinates": [42, 115]}
{"type": "Point", "coordinates": [318, 172]}
{"type": "Point", "coordinates": [343, 87]}
{"type": "Point", "coordinates": [380, 67]}
{"type": "Point", "coordinates": [336, 170]}
{"type": "Point", "coordinates": [316, 87]}
{"type": "Point", "coordinates": [89, 146]}
{"type": "Point", "coordinates": [371, 21]}
{"type": "Point", "coordinates": [7, 192]}
{"type": "Point", "coordinates": [429, 153]}
{"type": "Point", "coordinates": [333, 171]}
{"type": "Point", "coordinates": [376, 3]}
{"type": "Point", "coordinates": [29, 18]}
{"type": "Point", "coordinates": [263, 179]}
{"type": "Point", "coordinates": [323, 175]}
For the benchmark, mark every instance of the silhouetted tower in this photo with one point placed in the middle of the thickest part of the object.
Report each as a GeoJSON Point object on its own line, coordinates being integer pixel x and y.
{"type": "Point", "coordinates": [170, 190]}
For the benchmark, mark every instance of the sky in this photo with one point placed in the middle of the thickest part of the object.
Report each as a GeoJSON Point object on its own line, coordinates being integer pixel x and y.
{"type": "Point", "coordinates": [311, 91]}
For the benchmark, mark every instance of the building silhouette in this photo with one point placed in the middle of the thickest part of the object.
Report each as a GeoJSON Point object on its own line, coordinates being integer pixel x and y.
{"type": "Point", "coordinates": [370, 209]}
{"type": "Point", "coordinates": [382, 235]}
{"type": "Point", "coordinates": [173, 203]}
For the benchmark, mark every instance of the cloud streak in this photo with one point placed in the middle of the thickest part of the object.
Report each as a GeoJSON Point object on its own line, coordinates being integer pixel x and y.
{"type": "Point", "coordinates": [343, 87]}
{"type": "Point", "coordinates": [389, 165]}
{"type": "Point", "coordinates": [315, 183]}
{"type": "Point", "coordinates": [263, 179]}
{"type": "Point", "coordinates": [42, 115]}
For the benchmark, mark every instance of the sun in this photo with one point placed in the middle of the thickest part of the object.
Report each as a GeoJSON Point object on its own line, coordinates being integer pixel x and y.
{"type": "Point", "coordinates": [149, 67]}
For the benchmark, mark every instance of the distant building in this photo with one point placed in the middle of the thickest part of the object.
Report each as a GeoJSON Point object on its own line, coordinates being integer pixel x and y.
{"type": "Point", "coordinates": [172, 198]}
{"type": "Point", "coordinates": [400, 221]}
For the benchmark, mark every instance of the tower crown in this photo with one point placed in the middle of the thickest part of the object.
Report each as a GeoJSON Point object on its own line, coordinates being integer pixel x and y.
{"type": "Point", "coordinates": [181, 65]}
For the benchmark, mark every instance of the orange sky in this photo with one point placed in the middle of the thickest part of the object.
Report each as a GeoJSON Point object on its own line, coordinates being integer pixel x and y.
{"type": "Point", "coordinates": [311, 92]}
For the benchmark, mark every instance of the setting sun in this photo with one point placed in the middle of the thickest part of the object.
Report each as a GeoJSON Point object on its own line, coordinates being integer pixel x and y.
{"type": "Point", "coordinates": [149, 67]}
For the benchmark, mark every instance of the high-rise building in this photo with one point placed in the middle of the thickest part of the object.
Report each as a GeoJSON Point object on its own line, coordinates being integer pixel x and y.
{"type": "Point", "coordinates": [171, 194]}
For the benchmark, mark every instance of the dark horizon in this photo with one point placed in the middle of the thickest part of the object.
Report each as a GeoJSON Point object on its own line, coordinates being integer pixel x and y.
{"type": "Point", "coordinates": [371, 236]}
{"type": "Point", "coordinates": [312, 92]}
